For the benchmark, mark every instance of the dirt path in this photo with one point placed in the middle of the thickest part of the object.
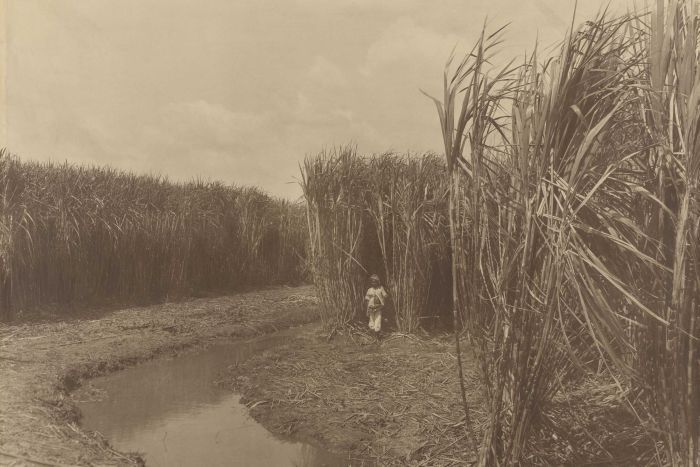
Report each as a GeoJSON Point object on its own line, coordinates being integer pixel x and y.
{"type": "Point", "coordinates": [41, 363]}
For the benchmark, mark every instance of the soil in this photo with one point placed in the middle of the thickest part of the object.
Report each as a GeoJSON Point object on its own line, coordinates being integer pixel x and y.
{"type": "Point", "coordinates": [396, 402]}
{"type": "Point", "coordinates": [392, 401]}
{"type": "Point", "coordinates": [41, 363]}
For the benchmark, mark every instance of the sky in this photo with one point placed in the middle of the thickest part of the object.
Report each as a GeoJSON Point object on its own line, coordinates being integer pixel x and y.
{"type": "Point", "coordinates": [241, 91]}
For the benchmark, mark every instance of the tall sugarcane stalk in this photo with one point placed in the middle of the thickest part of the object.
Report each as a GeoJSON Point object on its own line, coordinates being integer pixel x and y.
{"type": "Point", "coordinates": [75, 235]}
{"type": "Point", "coordinates": [474, 121]}
{"type": "Point", "coordinates": [674, 98]}
{"type": "Point", "coordinates": [399, 204]}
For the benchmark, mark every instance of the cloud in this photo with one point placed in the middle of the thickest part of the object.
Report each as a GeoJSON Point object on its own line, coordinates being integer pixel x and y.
{"type": "Point", "coordinates": [211, 119]}
{"type": "Point", "coordinates": [325, 72]}
{"type": "Point", "coordinates": [202, 139]}
{"type": "Point", "coordinates": [241, 91]}
{"type": "Point", "coordinates": [407, 46]}
{"type": "Point", "coordinates": [189, 130]}
{"type": "Point", "coordinates": [314, 112]}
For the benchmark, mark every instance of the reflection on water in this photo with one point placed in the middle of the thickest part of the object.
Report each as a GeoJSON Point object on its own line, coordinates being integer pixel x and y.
{"type": "Point", "coordinates": [172, 411]}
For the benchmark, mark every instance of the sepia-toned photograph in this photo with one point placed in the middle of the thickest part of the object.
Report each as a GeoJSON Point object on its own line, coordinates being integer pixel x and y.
{"type": "Point", "coordinates": [349, 233]}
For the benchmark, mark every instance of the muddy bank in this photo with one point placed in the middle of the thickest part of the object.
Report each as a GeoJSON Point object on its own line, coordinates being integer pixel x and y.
{"type": "Point", "coordinates": [395, 402]}
{"type": "Point", "coordinates": [41, 363]}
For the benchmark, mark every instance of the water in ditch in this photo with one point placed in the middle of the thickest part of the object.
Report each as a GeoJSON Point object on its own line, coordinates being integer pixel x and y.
{"type": "Point", "coordinates": [171, 411]}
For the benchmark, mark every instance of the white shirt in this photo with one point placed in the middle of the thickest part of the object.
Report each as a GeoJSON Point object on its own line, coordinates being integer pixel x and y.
{"type": "Point", "coordinates": [376, 296]}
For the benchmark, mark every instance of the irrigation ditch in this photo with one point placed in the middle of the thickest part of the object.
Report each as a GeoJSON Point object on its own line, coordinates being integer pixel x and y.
{"type": "Point", "coordinates": [42, 363]}
{"type": "Point", "coordinates": [349, 398]}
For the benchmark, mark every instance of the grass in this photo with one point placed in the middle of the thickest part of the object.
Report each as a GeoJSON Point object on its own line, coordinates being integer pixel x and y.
{"type": "Point", "coordinates": [579, 246]}
{"type": "Point", "coordinates": [72, 235]}
{"type": "Point", "coordinates": [333, 186]}
{"type": "Point", "coordinates": [406, 201]}
{"type": "Point", "coordinates": [562, 231]}
{"type": "Point", "coordinates": [382, 214]}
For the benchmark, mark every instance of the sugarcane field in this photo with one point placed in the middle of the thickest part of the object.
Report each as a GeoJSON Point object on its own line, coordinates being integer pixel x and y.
{"type": "Point", "coordinates": [349, 233]}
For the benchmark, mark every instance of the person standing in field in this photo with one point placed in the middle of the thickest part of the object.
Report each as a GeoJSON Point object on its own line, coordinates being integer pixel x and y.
{"type": "Point", "coordinates": [375, 299]}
